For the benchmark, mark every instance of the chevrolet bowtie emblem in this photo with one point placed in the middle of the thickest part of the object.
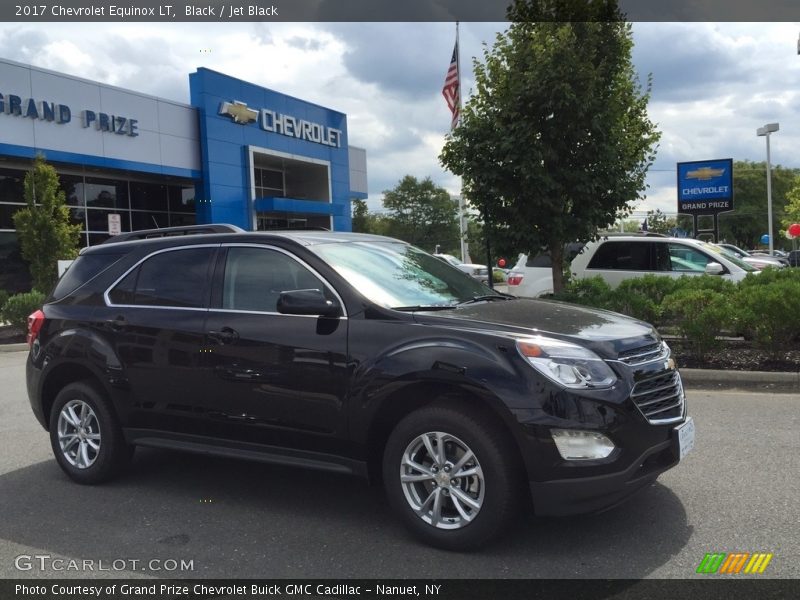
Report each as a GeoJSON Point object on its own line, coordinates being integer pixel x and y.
{"type": "Point", "coordinates": [238, 111]}
{"type": "Point", "coordinates": [704, 173]}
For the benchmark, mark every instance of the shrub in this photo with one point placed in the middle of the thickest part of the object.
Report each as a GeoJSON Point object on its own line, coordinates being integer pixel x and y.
{"type": "Point", "coordinates": [498, 276]}
{"type": "Point", "coordinates": [3, 298]}
{"type": "Point", "coordinates": [17, 308]}
{"type": "Point", "coordinates": [592, 291]}
{"type": "Point", "coordinates": [770, 314]}
{"type": "Point", "coordinates": [771, 275]}
{"type": "Point", "coordinates": [699, 315]}
{"type": "Point", "coordinates": [641, 297]}
{"type": "Point", "coordinates": [705, 282]}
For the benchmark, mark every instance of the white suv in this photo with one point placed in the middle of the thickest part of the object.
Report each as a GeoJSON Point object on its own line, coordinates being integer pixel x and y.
{"type": "Point", "coordinates": [619, 257]}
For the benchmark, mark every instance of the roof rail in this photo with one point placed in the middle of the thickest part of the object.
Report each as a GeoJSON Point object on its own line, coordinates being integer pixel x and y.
{"type": "Point", "coordinates": [145, 234]}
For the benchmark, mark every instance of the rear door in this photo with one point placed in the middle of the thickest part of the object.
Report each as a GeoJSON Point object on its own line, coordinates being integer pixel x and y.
{"type": "Point", "coordinates": [155, 317]}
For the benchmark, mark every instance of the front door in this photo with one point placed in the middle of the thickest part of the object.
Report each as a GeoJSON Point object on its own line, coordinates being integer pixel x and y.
{"type": "Point", "coordinates": [274, 379]}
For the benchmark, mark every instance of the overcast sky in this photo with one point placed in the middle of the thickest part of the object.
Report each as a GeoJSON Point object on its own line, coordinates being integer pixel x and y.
{"type": "Point", "coordinates": [714, 84]}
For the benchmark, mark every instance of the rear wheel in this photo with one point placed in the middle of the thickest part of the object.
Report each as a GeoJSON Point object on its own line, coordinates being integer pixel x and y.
{"type": "Point", "coordinates": [452, 477]}
{"type": "Point", "coordinates": [86, 439]}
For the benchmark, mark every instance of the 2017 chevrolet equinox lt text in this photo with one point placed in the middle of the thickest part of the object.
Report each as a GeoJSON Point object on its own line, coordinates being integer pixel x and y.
{"type": "Point", "coordinates": [357, 354]}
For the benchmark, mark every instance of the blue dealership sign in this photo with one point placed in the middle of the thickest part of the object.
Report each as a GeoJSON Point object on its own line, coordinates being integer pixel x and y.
{"type": "Point", "coordinates": [705, 186]}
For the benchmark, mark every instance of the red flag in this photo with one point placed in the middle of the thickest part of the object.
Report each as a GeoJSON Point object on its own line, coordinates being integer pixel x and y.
{"type": "Point", "coordinates": [450, 91]}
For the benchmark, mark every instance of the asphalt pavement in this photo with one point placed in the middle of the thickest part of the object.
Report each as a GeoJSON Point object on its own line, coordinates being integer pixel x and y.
{"type": "Point", "coordinates": [737, 491]}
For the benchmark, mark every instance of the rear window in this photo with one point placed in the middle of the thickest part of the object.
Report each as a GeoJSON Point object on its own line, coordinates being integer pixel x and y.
{"type": "Point", "coordinates": [622, 256]}
{"type": "Point", "coordinates": [543, 259]}
{"type": "Point", "coordinates": [176, 278]}
{"type": "Point", "coordinates": [84, 268]}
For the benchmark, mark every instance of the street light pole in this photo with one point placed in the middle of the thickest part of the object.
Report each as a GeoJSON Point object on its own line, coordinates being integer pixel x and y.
{"type": "Point", "coordinates": [765, 131]}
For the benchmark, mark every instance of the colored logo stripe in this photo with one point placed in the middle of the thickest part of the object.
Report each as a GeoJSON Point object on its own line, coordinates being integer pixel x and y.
{"type": "Point", "coordinates": [720, 562]}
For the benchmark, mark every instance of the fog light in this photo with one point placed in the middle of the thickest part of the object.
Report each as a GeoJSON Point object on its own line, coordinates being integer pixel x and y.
{"type": "Point", "coordinates": [574, 444]}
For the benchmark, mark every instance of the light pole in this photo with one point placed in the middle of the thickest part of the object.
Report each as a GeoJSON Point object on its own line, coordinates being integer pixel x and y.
{"type": "Point", "coordinates": [765, 131]}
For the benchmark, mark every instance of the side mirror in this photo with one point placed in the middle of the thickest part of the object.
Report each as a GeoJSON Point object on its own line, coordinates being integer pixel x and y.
{"type": "Point", "coordinates": [307, 302]}
{"type": "Point", "coordinates": [714, 268]}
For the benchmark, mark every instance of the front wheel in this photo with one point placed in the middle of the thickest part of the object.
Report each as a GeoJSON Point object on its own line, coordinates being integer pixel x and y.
{"type": "Point", "coordinates": [452, 477]}
{"type": "Point", "coordinates": [87, 441]}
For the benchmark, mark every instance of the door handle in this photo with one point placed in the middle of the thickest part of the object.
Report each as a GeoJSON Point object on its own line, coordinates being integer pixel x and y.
{"type": "Point", "coordinates": [118, 323]}
{"type": "Point", "coordinates": [226, 335]}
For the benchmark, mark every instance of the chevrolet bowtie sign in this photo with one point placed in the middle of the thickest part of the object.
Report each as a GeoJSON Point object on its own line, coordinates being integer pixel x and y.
{"type": "Point", "coordinates": [239, 112]}
{"type": "Point", "coordinates": [284, 124]}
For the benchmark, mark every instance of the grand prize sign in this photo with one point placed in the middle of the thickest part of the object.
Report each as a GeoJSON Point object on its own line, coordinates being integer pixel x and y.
{"type": "Point", "coordinates": [705, 187]}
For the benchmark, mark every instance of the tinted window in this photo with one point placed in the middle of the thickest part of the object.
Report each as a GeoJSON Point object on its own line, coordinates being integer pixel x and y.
{"type": "Point", "coordinates": [622, 256]}
{"type": "Point", "coordinates": [255, 277]}
{"type": "Point", "coordinates": [82, 270]}
{"type": "Point", "coordinates": [175, 278]}
{"type": "Point", "coordinates": [542, 259]}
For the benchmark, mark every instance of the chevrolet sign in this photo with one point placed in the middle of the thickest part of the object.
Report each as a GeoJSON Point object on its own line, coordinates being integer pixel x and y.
{"type": "Point", "coordinates": [287, 125]}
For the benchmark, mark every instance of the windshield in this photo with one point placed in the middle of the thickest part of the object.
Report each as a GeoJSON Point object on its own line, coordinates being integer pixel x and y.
{"type": "Point", "coordinates": [729, 256]}
{"type": "Point", "coordinates": [395, 275]}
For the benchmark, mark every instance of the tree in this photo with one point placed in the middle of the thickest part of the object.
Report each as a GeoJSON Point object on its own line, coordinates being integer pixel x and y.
{"type": "Point", "coordinates": [745, 225]}
{"type": "Point", "coordinates": [43, 226]}
{"type": "Point", "coordinates": [555, 141]}
{"type": "Point", "coordinates": [360, 216]}
{"type": "Point", "coordinates": [658, 222]}
{"type": "Point", "coordinates": [791, 212]}
{"type": "Point", "coordinates": [422, 214]}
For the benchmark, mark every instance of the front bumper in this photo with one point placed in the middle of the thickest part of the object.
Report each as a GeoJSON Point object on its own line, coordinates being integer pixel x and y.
{"type": "Point", "coordinates": [599, 492]}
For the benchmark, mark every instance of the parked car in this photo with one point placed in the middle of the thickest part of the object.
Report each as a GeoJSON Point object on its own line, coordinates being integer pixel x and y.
{"type": "Point", "coordinates": [619, 257]}
{"type": "Point", "coordinates": [355, 354]}
{"type": "Point", "coordinates": [479, 272]}
{"type": "Point", "coordinates": [794, 258]}
{"type": "Point", "coordinates": [758, 261]}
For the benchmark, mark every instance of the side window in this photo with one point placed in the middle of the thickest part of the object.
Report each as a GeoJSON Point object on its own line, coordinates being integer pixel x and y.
{"type": "Point", "coordinates": [176, 278]}
{"type": "Point", "coordinates": [687, 259]}
{"type": "Point", "coordinates": [255, 278]}
{"type": "Point", "coordinates": [622, 256]}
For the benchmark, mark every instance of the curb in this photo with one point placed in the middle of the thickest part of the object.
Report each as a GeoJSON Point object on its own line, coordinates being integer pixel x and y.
{"type": "Point", "coordinates": [750, 380]}
{"type": "Point", "coordinates": [21, 347]}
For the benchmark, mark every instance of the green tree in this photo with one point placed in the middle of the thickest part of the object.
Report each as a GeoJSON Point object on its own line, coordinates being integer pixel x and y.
{"type": "Point", "coordinates": [360, 216]}
{"type": "Point", "coordinates": [658, 222]}
{"type": "Point", "coordinates": [791, 212]}
{"type": "Point", "coordinates": [422, 214]}
{"type": "Point", "coordinates": [43, 226]}
{"type": "Point", "coordinates": [555, 142]}
{"type": "Point", "coordinates": [745, 225]}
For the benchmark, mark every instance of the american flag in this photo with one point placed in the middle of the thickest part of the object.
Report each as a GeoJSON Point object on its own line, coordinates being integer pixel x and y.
{"type": "Point", "coordinates": [450, 90]}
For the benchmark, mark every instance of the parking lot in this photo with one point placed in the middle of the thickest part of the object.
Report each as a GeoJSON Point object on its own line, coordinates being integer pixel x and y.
{"type": "Point", "coordinates": [737, 491]}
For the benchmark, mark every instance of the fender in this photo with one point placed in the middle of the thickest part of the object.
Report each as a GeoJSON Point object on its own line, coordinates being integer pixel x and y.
{"type": "Point", "coordinates": [72, 354]}
{"type": "Point", "coordinates": [439, 363]}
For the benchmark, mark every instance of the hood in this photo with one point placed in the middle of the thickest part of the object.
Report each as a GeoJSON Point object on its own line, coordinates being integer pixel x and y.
{"type": "Point", "coordinates": [604, 332]}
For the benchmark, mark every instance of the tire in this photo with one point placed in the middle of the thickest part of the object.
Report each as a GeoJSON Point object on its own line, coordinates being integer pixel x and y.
{"type": "Point", "coordinates": [86, 439]}
{"type": "Point", "coordinates": [474, 507]}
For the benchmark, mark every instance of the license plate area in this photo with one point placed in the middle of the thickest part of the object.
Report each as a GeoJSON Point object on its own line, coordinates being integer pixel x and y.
{"type": "Point", "coordinates": [685, 433]}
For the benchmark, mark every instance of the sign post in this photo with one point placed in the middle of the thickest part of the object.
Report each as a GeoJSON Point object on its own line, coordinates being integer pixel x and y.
{"type": "Point", "coordinates": [705, 189]}
{"type": "Point", "coordinates": [114, 224]}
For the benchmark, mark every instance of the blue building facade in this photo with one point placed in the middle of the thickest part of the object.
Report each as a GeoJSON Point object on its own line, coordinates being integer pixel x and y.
{"type": "Point", "coordinates": [269, 161]}
{"type": "Point", "coordinates": [238, 153]}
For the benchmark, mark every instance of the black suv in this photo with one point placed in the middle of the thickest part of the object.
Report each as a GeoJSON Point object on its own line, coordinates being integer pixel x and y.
{"type": "Point", "coordinates": [357, 354]}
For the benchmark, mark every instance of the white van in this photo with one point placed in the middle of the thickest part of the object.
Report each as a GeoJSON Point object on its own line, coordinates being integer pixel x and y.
{"type": "Point", "coordinates": [620, 257]}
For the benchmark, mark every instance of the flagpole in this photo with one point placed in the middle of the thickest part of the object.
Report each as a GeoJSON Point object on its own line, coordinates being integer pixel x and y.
{"type": "Point", "coordinates": [462, 204]}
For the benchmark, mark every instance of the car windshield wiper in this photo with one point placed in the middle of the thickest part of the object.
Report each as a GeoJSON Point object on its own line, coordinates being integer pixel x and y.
{"type": "Point", "coordinates": [488, 298]}
{"type": "Point", "coordinates": [425, 307]}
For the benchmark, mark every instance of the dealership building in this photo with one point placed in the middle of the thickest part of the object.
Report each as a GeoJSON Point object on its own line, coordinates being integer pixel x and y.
{"type": "Point", "coordinates": [239, 153]}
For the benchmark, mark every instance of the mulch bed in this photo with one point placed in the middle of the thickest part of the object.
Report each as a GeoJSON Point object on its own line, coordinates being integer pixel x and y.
{"type": "Point", "coordinates": [10, 335]}
{"type": "Point", "coordinates": [736, 355]}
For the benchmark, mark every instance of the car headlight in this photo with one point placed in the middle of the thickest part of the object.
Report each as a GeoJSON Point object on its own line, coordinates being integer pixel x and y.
{"type": "Point", "coordinates": [567, 364]}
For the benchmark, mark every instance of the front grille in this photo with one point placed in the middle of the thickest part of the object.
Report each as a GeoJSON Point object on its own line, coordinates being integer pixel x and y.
{"type": "Point", "coordinates": [660, 398]}
{"type": "Point", "coordinates": [644, 354]}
